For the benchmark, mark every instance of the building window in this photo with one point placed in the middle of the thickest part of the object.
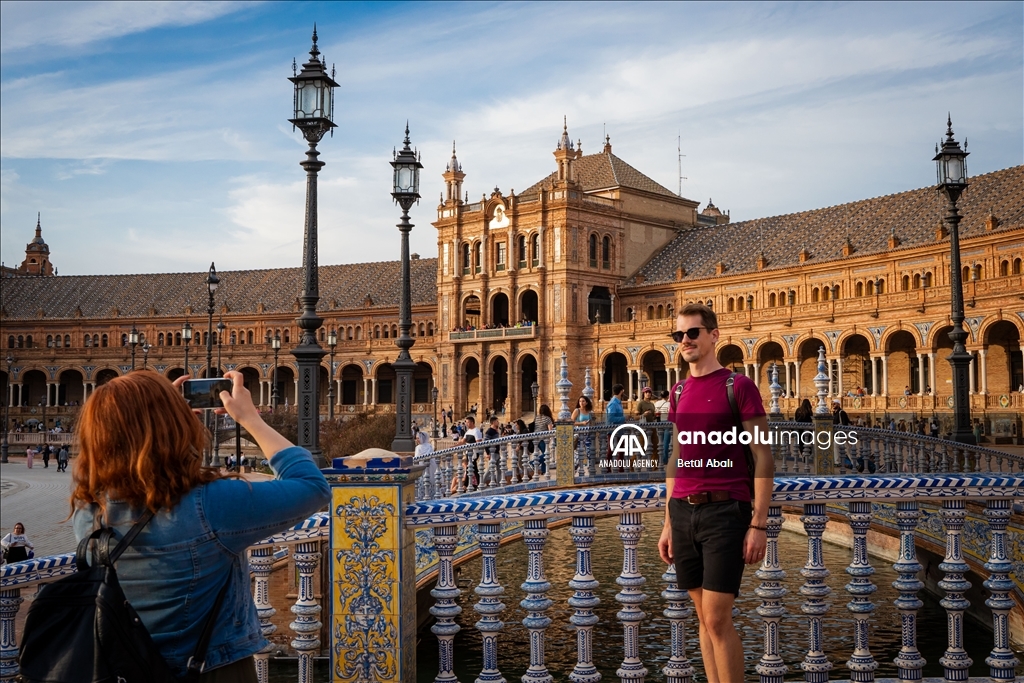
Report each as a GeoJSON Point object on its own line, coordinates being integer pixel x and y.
{"type": "Point", "coordinates": [103, 341]}
{"type": "Point", "coordinates": [906, 283]}
{"type": "Point", "coordinates": [1004, 268]}
{"type": "Point", "coordinates": [430, 329]}
{"type": "Point", "coordinates": [49, 342]}
{"type": "Point", "coordinates": [927, 279]}
{"type": "Point", "coordinates": [234, 338]}
{"type": "Point", "coordinates": [287, 337]}
{"type": "Point", "coordinates": [359, 332]}
{"type": "Point", "coordinates": [771, 300]}
{"type": "Point", "coordinates": [917, 280]}
{"type": "Point", "coordinates": [815, 295]}
{"type": "Point", "coordinates": [376, 331]}
{"type": "Point", "coordinates": [731, 305]}
{"type": "Point", "coordinates": [1016, 266]}
{"type": "Point", "coordinates": [593, 251]}
{"type": "Point", "coordinates": [521, 250]}
{"type": "Point", "coordinates": [502, 256]}
{"type": "Point", "coordinates": [535, 250]}
{"type": "Point", "coordinates": [465, 259]}
{"type": "Point", "coordinates": [606, 252]}
{"type": "Point", "coordinates": [478, 256]}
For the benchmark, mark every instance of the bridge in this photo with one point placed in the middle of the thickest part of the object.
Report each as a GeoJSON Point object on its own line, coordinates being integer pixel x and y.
{"type": "Point", "coordinates": [396, 525]}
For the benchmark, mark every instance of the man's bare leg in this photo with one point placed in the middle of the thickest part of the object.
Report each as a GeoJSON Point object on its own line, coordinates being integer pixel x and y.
{"type": "Point", "coordinates": [720, 646]}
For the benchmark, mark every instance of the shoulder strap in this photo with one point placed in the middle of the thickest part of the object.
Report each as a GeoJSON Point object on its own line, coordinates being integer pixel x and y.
{"type": "Point", "coordinates": [194, 668]}
{"type": "Point", "coordinates": [107, 558]}
{"type": "Point", "coordinates": [747, 453]}
{"type": "Point", "coordinates": [677, 393]}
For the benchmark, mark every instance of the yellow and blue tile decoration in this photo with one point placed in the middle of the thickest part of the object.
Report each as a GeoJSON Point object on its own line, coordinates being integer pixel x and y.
{"type": "Point", "coordinates": [373, 569]}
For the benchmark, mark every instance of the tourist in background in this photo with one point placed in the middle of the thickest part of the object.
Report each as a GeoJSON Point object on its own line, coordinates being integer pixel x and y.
{"type": "Point", "coordinates": [613, 412]}
{"type": "Point", "coordinates": [16, 546]}
{"type": "Point", "coordinates": [544, 422]}
{"type": "Point", "coordinates": [805, 413]}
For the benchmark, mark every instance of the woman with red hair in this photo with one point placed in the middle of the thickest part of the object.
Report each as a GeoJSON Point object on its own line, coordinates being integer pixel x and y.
{"type": "Point", "coordinates": [140, 449]}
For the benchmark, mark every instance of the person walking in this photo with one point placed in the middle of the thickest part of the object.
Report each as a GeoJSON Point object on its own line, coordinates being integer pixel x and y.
{"type": "Point", "coordinates": [712, 523]}
{"type": "Point", "coordinates": [30, 456]}
{"type": "Point", "coordinates": [46, 456]}
{"type": "Point", "coordinates": [140, 455]}
{"type": "Point", "coordinates": [62, 459]}
{"type": "Point", "coordinates": [16, 546]}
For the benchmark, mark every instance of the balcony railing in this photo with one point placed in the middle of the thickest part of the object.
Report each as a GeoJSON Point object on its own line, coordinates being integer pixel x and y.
{"type": "Point", "coordinates": [899, 501]}
{"type": "Point", "coordinates": [526, 332]}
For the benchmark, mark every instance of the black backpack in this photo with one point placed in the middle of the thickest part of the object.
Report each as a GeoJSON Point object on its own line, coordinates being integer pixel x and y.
{"type": "Point", "coordinates": [748, 455]}
{"type": "Point", "coordinates": [82, 628]}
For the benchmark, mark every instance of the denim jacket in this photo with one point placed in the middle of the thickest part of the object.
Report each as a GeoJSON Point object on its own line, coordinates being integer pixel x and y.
{"type": "Point", "coordinates": [177, 565]}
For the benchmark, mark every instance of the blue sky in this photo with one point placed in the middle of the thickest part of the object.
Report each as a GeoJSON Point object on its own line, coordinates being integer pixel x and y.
{"type": "Point", "coordinates": [153, 137]}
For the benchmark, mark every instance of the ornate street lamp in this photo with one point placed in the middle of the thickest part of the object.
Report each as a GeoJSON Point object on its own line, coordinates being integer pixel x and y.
{"type": "Point", "coordinates": [145, 355]}
{"type": "Point", "coordinates": [7, 406]}
{"type": "Point", "coordinates": [216, 418]}
{"type": "Point", "coordinates": [314, 106]}
{"type": "Point", "coordinates": [332, 343]}
{"type": "Point", "coordinates": [433, 395]}
{"type": "Point", "coordinates": [406, 192]}
{"type": "Point", "coordinates": [275, 343]}
{"type": "Point", "coordinates": [951, 167]}
{"type": "Point", "coordinates": [535, 390]}
{"type": "Point", "coordinates": [186, 336]}
{"type": "Point", "coordinates": [133, 339]}
{"type": "Point", "coordinates": [212, 282]}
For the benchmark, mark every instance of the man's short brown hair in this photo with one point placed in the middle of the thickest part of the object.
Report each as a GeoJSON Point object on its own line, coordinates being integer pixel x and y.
{"type": "Point", "coordinates": [707, 316]}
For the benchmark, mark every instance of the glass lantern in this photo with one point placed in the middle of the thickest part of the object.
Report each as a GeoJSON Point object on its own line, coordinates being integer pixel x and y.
{"type": "Point", "coordinates": [406, 185]}
{"type": "Point", "coordinates": [951, 161]}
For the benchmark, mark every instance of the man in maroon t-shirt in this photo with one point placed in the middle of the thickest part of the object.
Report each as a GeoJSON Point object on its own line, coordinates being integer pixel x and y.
{"type": "Point", "coordinates": [711, 525]}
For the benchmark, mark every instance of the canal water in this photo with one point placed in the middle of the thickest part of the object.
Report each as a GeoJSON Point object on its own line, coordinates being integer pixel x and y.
{"type": "Point", "coordinates": [559, 566]}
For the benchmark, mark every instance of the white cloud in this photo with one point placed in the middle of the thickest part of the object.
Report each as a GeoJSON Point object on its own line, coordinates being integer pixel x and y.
{"type": "Point", "coordinates": [25, 25]}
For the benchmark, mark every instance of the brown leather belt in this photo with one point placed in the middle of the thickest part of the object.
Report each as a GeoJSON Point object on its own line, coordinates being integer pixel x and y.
{"type": "Point", "coordinates": [708, 497]}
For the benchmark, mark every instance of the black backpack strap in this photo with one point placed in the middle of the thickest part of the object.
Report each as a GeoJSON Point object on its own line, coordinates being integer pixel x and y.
{"type": "Point", "coordinates": [107, 557]}
{"type": "Point", "coordinates": [747, 453]}
{"type": "Point", "coordinates": [194, 668]}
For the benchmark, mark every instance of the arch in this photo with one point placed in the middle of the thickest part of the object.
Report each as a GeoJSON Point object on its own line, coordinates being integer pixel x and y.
{"type": "Point", "coordinates": [33, 387]}
{"type": "Point", "coordinates": [251, 380]}
{"type": "Point", "coordinates": [917, 280]}
{"type": "Point", "coordinates": [359, 332]}
{"type": "Point", "coordinates": [535, 249]}
{"type": "Point", "coordinates": [104, 375]}
{"type": "Point", "coordinates": [903, 364]}
{"type": "Point", "coordinates": [422, 382]}
{"type": "Point", "coordinates": [1004, 366]}
{"type": "Point", "coordinates": [661, 312]}
{"type": "Point", "coordinates": [471, 384]}
{"type": "Point", "coordinates": [159, 339]}
{"type": "Point", "coordinates": [499, 383]}
{"type": "Point", "coordinates": [174, 372]}
{"type": "Point", "coordinates": [430, 328]}
{"type": "Point", "coordinates": [285, 385]}
{"type": "Point", "coordinates": [1015, 269]}
{"type": "Point", "coordinates": [927, 280]}
{"type": "Point", "coordinates": [467, 263]}
{"type": "Point", "coordinates": [394, 331]}
{"type": "Point", "coordinates": [499, 310]}
{"type": "Point", "coordinates": [376, 331]}
{"type": "Point", "coordinates": [858, 289]}
{"type": "Point", "coordinates": [599, 305]}
{"type": "Point", "coordinates": [478, 256]}
{"type": "Point", "coordinates": [985, 330]}
{"type": "Point", "coordinates": [807, 360]}
{"type": "Point", "coordinates": [965, 273]}
{"type": "Point", "coordinates": [384, 373]}
{"type": "Point", "coordinates": [976, 272]}
{"type": "Point", "coordinates": [1004, 268]}
{"type": "Point", "coordinates": [771, 300]}
{"type": "Point", "coordinates": [905, 282]}
{"type": "Point", "coordinates": [471, 312]}
{"type": "Point", "coordinates": [11, 342]}
{"type": "Point", "coordinates": [731, 356]}
{"type": "Point", "coordinates": [606, 252]}
{"type": "Point", "coordinates": [592, 249]}
{"type": "Point", "coordinates": [650, 312]}
{"type": "Point", "coordinates": [353, 390]}
{"type": "Point", "coordinates": [70, 388]}
{"type": "Point", "coordinates": [652, 364]}
{"type": "Point", "coordinates": [521, 254]}
{"type": "Point", "coordinates": [855, 350]}
{"type": "Point", "coordinates": [616, 371]}
{"type": "Point", "coordinates": [527, 376]}
{"type": "Point", "coordinates": [767, 353]}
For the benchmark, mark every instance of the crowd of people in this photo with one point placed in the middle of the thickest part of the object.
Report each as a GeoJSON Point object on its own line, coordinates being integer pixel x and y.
{"type": "Point", "coordinates": [467, 327]}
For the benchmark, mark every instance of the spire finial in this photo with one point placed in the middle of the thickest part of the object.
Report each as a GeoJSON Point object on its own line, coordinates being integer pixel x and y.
{"type": "Point", "coordinates": [949, 126]}
{"type": "Point", "coordinates": [313, 51]}
{"type": "Point", "coordinates": [565, 123]}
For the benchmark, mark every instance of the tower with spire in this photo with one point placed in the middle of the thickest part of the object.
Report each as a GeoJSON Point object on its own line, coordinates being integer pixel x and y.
{"type": "Point", "coordinates": [453, 177]}
{"type": "Point", "coordinates": [37, 254]}
{"type": "Point", "coordinates": [565, 153]}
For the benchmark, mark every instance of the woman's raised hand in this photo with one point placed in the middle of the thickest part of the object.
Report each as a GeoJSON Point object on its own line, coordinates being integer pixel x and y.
{"type": "Point", "coordinates": [238, 402]}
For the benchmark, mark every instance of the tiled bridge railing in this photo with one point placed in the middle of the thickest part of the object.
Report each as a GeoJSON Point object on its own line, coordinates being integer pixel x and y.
{"type": "Point", "coordinates": [377, 545]}
{"type": "Point", "coordinates": [529, 461]}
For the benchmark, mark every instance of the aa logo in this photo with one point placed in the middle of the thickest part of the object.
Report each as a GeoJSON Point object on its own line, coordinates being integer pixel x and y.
{"type": "Point", "coordinates": [628, 441]}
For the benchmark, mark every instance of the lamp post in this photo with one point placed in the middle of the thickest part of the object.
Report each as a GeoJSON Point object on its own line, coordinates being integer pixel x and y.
{"type": "Point", "coordinates": [535, 391]}
{"type": "Point", "coordinates": [314, 105]}
{"type": "Point", "coordinates": [433, 395]}
{"type": "Point", "coordinates": [216, 418]}
{"type": "Point", "coordinates": [186, 336]}
{"type": "Point", "coordinates": [212, 282]}
{"type": "Point", "coordinates": [406, 191]}
{"type": "Point", "coordinates": [145, 355]}
{"type": "Point", "coordinates": [275, 343]}
{"type": "Point", "coordinates": [7, 406]}
{"type": "Point", "coordinates": [332, 343]}
{"type": "Point", "coordinates": [951, 166]}
{"type": "Point", "coordinates": [133, 339]}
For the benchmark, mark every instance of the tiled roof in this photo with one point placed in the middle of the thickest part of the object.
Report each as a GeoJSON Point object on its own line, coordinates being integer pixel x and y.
{"type": "Point", "coordinates": [912, 216]}
{"type": "Point", "coordinates": [599, 171]}
{"type": "Point", "coordinates": [343, 287]}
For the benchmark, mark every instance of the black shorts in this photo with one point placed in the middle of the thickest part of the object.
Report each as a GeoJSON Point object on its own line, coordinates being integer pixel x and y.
{"type": "Point", "coordinates": [707, 542]}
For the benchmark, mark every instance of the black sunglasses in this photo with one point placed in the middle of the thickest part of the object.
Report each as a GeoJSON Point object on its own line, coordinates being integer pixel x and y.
{"type": "Point", "coordinates": [692, 333]}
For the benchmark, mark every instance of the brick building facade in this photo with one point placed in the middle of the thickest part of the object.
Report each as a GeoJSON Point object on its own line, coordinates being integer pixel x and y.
{"type": "Point", "coordinates": [591, 261]}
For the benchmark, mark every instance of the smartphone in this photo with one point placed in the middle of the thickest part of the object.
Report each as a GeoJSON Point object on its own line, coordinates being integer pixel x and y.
{"type": "Point", "coordinates": [205, 393]}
